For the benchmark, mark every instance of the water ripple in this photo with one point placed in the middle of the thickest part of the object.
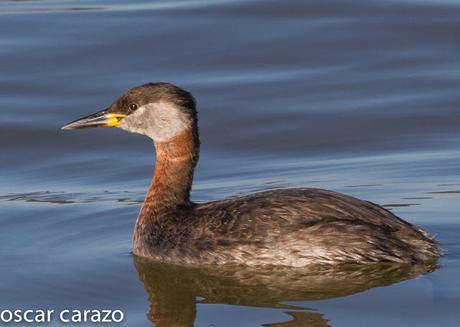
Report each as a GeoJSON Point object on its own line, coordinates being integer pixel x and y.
{"type": "Point", "coordinates": [73, 198]}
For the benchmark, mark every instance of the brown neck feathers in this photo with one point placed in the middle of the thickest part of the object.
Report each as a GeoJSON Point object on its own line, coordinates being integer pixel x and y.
{"type": "Point", "coordinates": [175, 162]}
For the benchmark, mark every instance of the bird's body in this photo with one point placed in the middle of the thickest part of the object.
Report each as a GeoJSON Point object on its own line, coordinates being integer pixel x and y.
{"type": "Point", "coordinates": [290, 227]}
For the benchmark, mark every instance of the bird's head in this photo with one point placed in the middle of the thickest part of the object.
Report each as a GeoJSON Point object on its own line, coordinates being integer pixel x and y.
{"type": "Point", "coordinates": [158, 110]}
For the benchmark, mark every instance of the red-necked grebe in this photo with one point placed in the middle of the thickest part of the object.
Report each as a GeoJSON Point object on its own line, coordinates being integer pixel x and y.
{"type": "Point", "coordinates": [291, 227]}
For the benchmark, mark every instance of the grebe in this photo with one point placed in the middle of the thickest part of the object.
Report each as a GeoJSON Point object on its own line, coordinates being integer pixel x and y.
{"type": "Point", "coordinates": [289, 227]}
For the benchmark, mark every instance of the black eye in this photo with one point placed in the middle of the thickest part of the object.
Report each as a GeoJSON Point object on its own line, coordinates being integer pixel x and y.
{"type": "Point", "coordinates": [133, 106]}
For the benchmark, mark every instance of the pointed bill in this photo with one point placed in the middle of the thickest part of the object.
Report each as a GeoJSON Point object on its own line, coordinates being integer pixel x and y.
{"type": "Point", "coordinates": [98, 119]}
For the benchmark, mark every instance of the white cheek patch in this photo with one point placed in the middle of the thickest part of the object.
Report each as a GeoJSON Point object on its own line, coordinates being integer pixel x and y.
{"type": "Point", "coordinates": [160, 121]}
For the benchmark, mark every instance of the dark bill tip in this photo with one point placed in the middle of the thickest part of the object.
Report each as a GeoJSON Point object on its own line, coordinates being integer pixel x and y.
{"type": "Point", "coordinates": [98, 119]}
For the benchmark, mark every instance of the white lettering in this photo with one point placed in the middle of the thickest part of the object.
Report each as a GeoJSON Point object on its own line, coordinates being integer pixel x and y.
{"type": "Point", "coordinates": [31, 316]}
{"type": "Point", "coordinates": [121, 316]}
{"type": "Point", "coordinates": [26, 318]}
{"type": "Point", "coordinates": [49, 314]}
{"type": "Point", "coordinates": [96, 316]}
{"type": "Point", "coordinates": [61, 316]}
{"type": "Point", "coordinates": [106, 316]}
{"type": "Point", "coordinates": [76, 316]}
{"type": "Point", "coordinates": [4, 313]}
{"type": "Point", "coordinates": [17, 316]}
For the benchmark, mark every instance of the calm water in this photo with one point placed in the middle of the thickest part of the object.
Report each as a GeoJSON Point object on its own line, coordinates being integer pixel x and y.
{"type": "Point", "coordinates": [361, 97]}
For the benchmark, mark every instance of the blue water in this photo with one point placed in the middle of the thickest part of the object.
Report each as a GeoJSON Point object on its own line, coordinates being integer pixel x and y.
{"type": "Point", "coordinates": [356, 96]}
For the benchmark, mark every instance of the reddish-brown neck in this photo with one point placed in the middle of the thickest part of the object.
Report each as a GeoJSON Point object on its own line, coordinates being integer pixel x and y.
{"type": "Point", "coordinates": [175, 162]}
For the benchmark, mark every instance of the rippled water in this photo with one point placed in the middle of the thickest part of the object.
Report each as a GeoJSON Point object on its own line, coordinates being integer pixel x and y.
{"type": "Point", "coordinates": [356, 96]}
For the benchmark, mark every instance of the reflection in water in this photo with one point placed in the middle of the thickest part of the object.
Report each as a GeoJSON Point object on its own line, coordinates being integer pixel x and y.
{"type": "Point", "coordinates": [173, 290]}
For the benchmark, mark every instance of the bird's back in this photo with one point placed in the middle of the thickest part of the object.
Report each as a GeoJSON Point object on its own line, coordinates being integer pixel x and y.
{"type": "Point", "coordinates": [293, 227]}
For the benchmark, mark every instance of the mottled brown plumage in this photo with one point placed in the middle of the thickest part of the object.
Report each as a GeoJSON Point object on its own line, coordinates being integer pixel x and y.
{"type": "Point", "coordinates": [291, 227]}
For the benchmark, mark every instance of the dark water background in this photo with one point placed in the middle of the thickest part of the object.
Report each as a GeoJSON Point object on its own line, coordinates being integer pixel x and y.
{"type": "Point", "coordinates": [361, 97]}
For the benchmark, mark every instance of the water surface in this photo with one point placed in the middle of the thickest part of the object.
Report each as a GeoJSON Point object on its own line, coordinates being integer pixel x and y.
{"type": "Point", "coordinates": [356, 96]}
